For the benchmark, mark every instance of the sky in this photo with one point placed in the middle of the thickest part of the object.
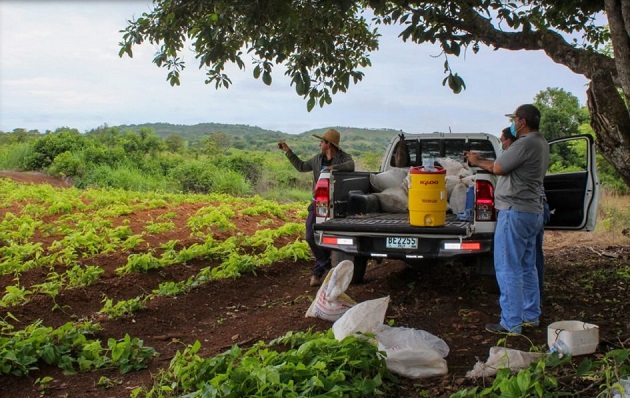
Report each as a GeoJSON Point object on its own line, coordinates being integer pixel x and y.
{"type": "Point", "coordinates": [59, 67]}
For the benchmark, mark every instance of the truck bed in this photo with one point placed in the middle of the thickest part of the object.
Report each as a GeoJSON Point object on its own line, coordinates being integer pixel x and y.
{"type": "Point", "coordinates": [389, 223]}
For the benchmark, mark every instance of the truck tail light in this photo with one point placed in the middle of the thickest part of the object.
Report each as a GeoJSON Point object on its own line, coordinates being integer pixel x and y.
{"type": "Point", "coordinates": [322, 189]}
{"type": "Point", "coordinates": [484, 201]}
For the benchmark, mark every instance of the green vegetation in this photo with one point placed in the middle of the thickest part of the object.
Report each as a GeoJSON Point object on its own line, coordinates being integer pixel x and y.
{"type": "Point", "coordinates": [549, 377]}
{"type": "Point", "coordinates": [235, 160]}
{"type": "Point", "coordinates": [238, 160]}
{"type": "Point", "coordinates": [299, 364]}
{"type": "Point", "coordinates": [68, 347]}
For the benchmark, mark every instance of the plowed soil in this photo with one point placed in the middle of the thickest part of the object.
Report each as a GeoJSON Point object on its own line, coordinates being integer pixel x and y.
{"type": "Point", "coordinates": [448, 301]}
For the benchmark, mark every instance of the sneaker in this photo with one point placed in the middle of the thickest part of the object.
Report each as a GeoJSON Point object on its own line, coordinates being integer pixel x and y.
{"type": "Point", "coordinates": [315, 280]}
{"type": "Point", "coordinates": [497, 328]}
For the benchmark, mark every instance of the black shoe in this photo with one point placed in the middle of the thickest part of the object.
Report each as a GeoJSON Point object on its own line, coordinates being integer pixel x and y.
{"type": "Point", "coordinates": [316, 280]}
{"type": "Point", "coordinates": [497, 328]}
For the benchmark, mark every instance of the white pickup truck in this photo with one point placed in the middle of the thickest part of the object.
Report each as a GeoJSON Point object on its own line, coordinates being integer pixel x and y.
{"type": "Point", "coordinates": [350, 221]}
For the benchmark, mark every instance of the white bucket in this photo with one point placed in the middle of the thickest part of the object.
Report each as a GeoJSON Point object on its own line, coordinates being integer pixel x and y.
{"type": "Point", "coordinates": [573, 337]}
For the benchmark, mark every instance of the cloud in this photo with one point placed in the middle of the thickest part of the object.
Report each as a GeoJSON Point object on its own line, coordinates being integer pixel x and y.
{"type": "Point", "coordinates": [59, 66]}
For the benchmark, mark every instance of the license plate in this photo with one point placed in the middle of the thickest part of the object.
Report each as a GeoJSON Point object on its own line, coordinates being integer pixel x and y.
{"type": "Point", "coordinates": [399, 242]}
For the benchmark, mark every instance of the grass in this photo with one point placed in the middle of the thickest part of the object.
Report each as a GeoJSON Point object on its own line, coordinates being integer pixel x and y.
{"type": "Point", "coordinates": [612, 229]}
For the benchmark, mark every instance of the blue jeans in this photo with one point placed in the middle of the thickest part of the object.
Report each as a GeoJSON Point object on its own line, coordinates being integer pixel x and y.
{"type": "Point", "coordinates": [540, 255]}
{"type": "Point", "coordinates": [515, 267]}
{"type": "Point", "coordinates": [322, 256]}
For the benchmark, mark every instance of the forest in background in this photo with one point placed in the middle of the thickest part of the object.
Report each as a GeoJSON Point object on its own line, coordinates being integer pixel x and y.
{"type": "Point", "coordinates": [240, 160]}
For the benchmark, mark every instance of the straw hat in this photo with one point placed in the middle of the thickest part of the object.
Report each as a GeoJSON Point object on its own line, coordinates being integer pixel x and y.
{"type": "Point", "coordinates": [331, 136]}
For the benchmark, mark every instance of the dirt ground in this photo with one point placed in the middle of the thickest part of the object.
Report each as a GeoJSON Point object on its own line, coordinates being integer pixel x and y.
{"type": "Point", "coordinates": [447, 301]}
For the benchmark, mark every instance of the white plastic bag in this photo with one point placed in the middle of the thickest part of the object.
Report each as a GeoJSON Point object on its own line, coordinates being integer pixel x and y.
{"type": "Point", "coordinates": [331, 302]}
{"type": "Point", "coordinates": [388, 179]}
{"type": "Point", "coordinates": [501, 357]}
{"type": "Point", "coordinates": [363, 317]}
{"type": "Point", "coordinates": [452, 166]}
{"type": "Point", "coordinates": [457, 198]}
{"type": "Point", "coordinates": [394, 200]}
{"type": "Point", "coordinates": [411, 352]}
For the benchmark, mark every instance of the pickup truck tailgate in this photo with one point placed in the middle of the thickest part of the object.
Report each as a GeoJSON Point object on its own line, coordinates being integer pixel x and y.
{"type": "Point", "coordinates": [390, 223]}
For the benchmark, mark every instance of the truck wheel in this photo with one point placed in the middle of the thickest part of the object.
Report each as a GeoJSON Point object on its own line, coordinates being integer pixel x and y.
{"type": "Point", "coordinates": [360, 265]}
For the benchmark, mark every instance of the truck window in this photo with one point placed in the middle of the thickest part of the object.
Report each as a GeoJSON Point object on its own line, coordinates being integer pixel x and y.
{"type": "Point", "coordinates": [422, 150]}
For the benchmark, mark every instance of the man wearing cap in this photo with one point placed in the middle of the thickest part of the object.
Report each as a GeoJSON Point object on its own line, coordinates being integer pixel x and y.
{"type": "Point", "coordinates": [521, 170]}
{"type": "Point", "coordinates": [331, 157]}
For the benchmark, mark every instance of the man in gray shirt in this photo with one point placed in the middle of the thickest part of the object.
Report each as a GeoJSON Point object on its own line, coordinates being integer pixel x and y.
{"type": "Point", "coordinates": [521, 170]}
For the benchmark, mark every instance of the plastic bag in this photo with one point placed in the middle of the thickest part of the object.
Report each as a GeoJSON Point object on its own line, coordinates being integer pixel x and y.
{"type": "Point", "coordinates": [363, 317]}
{"type": "Point", "coordinates": [411, 352]}
{"type": "Point", "coordinates": [331, 302]}
{"type": "Point", "coordinates": [457, 198]}
{"type": "Point", "coordinates": [394, 200]}
{"type": "Point", "coordinates": [388, 179]}
{"type": "Point", "coordinates": [501, 357]}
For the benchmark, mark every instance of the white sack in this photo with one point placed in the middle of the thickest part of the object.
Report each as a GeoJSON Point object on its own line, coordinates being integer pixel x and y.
{"type": "Point", "coordinates": [452, 167]}
{"type": "Point", "coordinates": [388, 179]}
{"type": "Point", "coordinates": [331, 302]}
{"type": "Point", "coordinates": [501, 357]}
{"type": "Point", "coordinates": [469, 180]}
{"type": "Point", "coordinates": [451, 182]}
{"type": "Point", "coordinates": [363, 317]}
{"type": "Point", "coordinates": [457, 199]}
{"type": "Point", "coordinates": [394, 200]}
{"type": "Point", "coordinates": [411, 352]}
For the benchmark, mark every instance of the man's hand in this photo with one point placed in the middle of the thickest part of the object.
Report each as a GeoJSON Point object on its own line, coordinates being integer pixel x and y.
{"type": "Point", "coordinates": [472, 157]}
{"type": "Point", "coordinates": [475, 160]}
{"type": "Point", "coordinates": [283, 145]}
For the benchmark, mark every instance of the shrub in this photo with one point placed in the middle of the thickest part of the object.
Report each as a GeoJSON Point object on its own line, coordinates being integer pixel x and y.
{"type": "Point", "coordinates": [200, 177]}
{"type": "Point", "coordinates": [124, 176]}
{"type": "Point", "coordinates": [12, 156]}
{"type": "Point", "coordinates": [250, 166]}
{"type": "Point", "coordinates": [67, 164]}
{"type": "Point", "coordinates": [51, 145]}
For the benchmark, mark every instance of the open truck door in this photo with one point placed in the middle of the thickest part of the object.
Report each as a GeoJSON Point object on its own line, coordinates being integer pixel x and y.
{"type": "Point", "coordinates": [571, 184]}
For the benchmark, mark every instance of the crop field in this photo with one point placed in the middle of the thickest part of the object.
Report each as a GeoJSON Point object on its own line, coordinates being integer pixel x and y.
{"type": "Point", "coordinates": [111, 293]}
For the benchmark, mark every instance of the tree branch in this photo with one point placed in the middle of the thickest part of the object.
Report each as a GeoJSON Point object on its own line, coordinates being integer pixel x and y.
{"type": "Point", "coordinates": [580, 61]}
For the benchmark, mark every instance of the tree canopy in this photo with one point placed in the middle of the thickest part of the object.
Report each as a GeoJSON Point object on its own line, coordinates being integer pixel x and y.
{"type": "Point", "coordinates": [324, 45]}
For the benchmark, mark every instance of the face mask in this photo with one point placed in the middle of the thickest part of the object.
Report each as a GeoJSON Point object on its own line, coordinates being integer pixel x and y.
{"type": "Point", "coordinates": [513, 129]}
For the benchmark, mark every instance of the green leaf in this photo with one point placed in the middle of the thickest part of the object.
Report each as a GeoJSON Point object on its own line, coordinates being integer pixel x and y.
{"type": "Point", "coordinates": [585, 366]}
{"type": "Point", "coordinates": [266, 77]}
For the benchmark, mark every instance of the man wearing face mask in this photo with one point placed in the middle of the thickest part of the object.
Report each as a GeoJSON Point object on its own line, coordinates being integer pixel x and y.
{"type": "Point", "coordinates": [520, 217]}
{"type": "Point", "coordinates": [507, 138]}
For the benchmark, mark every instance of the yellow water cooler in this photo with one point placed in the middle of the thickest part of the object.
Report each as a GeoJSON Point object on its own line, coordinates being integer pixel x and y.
{"type": "Point", "coordinates": [427, 196]}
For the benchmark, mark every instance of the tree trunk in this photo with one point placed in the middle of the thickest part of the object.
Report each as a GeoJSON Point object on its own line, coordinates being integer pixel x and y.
{"type": "Point", "coordinates": [610, 114]}
{"type": "Point", "coordinates": [611, 122]}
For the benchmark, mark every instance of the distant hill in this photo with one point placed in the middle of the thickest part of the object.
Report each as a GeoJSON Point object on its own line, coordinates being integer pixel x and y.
{"type": "Point", "coordinates": [357, 140]}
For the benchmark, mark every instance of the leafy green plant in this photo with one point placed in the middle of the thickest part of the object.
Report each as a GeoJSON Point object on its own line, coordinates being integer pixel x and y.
{"type": "Point", "coordinates": [171, 288]}
{"type": "Point", "coordinates": [302, 364]}
{"type": "Point", "coordinates": [156, 228]}
{"type": "Point", "coordinates": [129, 353]}
{"type": "Point", "coordinates": [123, 307]}
{"type": "Point", "coordinates": [143, 262]}
{"type": "Point", "coordinates": [14, 295]}
{"type": "Point", "coordinates": [555, 375]}
{"type": "Point", "coordinates": [43, 383]}
{"type": "Point", "coordinates": [67, 347]}
{"type": "Point", "coordinates": [78, 276]}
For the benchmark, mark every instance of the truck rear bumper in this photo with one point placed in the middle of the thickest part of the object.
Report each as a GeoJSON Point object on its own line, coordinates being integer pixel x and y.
{"type": "Point", "coordinates": [370, 235]}
{"type": "Point", "coordinates": [377, 246]}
